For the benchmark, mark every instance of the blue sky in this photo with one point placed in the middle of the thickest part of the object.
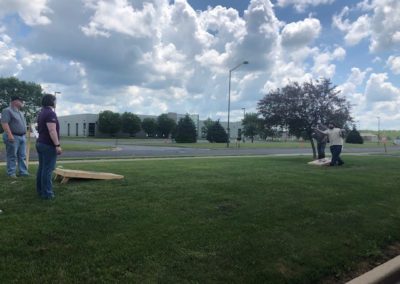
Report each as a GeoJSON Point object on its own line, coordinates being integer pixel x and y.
{"type": "Point", "coordinates": [157, 56]}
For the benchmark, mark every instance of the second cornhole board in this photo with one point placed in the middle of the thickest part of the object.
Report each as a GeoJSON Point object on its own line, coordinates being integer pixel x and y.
{"type": "Point", "coordinates": [320, 162]}
{"type": "Point", "coordinates": [65, 175]}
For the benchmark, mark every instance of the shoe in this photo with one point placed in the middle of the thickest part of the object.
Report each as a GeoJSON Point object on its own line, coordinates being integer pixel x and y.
{"type": "Point", "coordinates": [341, 164]}
{"type": "Point", "coordinates": [24, 175]}
{"type": "Point", "coordinates": [12, 176]}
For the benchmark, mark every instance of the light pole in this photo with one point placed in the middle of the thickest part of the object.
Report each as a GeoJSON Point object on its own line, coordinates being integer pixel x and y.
{"type": "Point", "coordinates": [229, 98]}
{"type": "Point", "coordinates": [244, 116]}
{"type": "Point", "coordinates": [379, 129]}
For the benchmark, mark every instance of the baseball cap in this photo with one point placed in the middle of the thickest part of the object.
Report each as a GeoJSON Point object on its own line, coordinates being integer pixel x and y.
{"type": "Point", "coordinates": [15, 98]}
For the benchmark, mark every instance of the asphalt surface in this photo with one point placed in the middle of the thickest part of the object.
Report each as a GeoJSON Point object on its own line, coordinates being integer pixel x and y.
{"type": "Point", "coordinates": [135, 151]}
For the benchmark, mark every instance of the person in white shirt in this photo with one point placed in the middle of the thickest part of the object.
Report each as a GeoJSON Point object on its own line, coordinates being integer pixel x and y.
{"type": "Point", "coordinates": [335, 136]}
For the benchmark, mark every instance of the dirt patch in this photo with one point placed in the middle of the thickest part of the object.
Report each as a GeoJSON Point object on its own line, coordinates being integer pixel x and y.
{"type": "Point", "coordinates": [390, 252]}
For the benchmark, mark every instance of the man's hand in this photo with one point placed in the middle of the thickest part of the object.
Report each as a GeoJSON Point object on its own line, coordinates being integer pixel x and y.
{"type": "Point", "coordinates": [11, 138]}
{"type": "Point", "coordinates": [59, 150]}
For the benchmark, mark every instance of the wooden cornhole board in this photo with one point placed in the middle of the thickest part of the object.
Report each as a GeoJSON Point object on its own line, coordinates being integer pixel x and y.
{"type": "Point", "coordinates": [320, 162]}
{"type": "Point", "coordinates": [64, 175]}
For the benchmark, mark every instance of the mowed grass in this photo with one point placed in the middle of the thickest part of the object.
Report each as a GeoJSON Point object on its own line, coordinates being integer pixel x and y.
{"type": "Point", "coordinates": [214, 220]}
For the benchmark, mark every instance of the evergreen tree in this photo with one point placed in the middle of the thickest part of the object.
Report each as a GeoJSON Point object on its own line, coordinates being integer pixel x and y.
{"type": "Point", "coordinates": [354, 137]}
{"type": "Point", "coordinates": [186, 131]}
{"type": "Point", "coordinates": [216, 133]}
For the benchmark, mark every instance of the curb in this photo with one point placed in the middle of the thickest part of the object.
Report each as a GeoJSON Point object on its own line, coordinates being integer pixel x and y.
{"type": "Point", "coordinates": [386, 273]}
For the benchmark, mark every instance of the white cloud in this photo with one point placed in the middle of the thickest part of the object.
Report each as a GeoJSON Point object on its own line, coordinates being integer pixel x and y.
{"type": "Point", "coordinates": [378, 89]}
{"type": "Point", "coordinates": [301, 5]}
{"type": "Point", "coordinates": [381, 24]}
{"type": "Point", "coordinates": [323, 66]}
{"type": "Point", "coordinates": [33, 12]}
{"type": "Point", "coordinates": [300, 34]}
{"type": "Point", "coordinates": [119, 16]}
{"type": "Point", "coordinates": [394, 64]}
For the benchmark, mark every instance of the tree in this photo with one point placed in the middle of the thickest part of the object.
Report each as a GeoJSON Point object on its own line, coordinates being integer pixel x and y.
{"type": "Point", "coordinates": [204, 129]}
{"type": "Point", "coordinates": [165, 125]}
{"type": "Point", "coordinates": [251, 125]}
{"type": "Point", "coordinates": [354, 137]}
{"type": "Point", "coordinates": [130, 123]}
{"type": "Point", "coordinates": [109, 122]}
{"type": "Point", "coordinates": [31, 93]}
{"type": "Point", "coordinates": [186, 131]}
{"type": "Point", "coordinates": [149, 126]}
{"type": "Point", "coordinates": [299, 108]}
{"type": "Point", "coordinates": [216, 133]}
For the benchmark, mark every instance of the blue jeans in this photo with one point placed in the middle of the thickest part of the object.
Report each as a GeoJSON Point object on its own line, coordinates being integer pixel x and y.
{"type": "Point", "coordinates": [16, 154]}
{"type": "Point", "coordinates": [321, 150]}
{"type": "Point", "coordinates": [47, 163]}
{"type": "Point", "coordinates": [336, 150]}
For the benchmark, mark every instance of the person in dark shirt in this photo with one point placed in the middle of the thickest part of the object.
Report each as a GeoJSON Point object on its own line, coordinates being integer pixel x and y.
{"type": "Point", "coordinates": [321, 139]}
{"type": "Point", "coordinates": [48, 146]}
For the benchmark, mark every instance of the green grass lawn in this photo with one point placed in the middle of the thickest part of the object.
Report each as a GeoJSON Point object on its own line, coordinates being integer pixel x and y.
{"type": "Point", "coordinates": [213, 220]}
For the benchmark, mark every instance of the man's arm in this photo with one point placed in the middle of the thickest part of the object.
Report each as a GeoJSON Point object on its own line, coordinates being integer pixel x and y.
{"type": "Point", "coordinates": [7, 130]}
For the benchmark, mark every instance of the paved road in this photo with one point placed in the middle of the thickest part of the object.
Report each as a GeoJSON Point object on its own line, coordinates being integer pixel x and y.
{"type": "Point", "coordinates": [134, 151]}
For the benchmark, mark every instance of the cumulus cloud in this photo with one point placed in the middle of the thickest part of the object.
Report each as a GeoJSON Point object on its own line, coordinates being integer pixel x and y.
{"type": "Point", "coordinates": [300, 34]}
{"type": "Point", "coordinates": [380, 24]}
{"type": "Point", "coordinates": [33, 12]}
{"type": "Point", "coordinates": [379, 89]}
{"type": "Point", "coordinates": [302, 5]}
{"type": "Point", "coordinates": [323, 66]}
{"type": "Point", "coordinates": [394, 64]}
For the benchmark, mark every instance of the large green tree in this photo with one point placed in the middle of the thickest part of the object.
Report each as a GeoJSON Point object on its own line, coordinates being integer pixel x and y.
{"type": "Point", "coordinates": [186, 131]}
{"type": "Point", "coordinates": [216, 133]}
{"type": "Point", "coordinates": [165, 125]}
{"type": "Point", "coordinates": [130, 123]}
{"type": "Point", "coordinates": [31, 93]}
{"type": "Point", "coordinates": [251, 125]}
{"type": "Point", "coordinates": [149, 126]}
{"type": "Point", "coordinates": [109, 122]}
{"type": "Point", "coordinates": [299, 108]}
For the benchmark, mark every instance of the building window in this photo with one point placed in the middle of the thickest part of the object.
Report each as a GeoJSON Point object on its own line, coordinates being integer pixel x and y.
{"type": "Point", "coordinates": [68, 129]}
{"type": "Point", "coordinates": [77, 129]}
{"type": "Point", "coordinates": [84, 129]}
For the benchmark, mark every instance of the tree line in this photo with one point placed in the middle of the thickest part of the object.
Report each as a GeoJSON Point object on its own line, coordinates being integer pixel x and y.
{"type": "Point", "coordinates": [295, 108]}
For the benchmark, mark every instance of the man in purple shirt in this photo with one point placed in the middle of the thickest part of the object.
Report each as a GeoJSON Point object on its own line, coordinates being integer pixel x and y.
{"type": "Point", "coordinates": [48, 146]}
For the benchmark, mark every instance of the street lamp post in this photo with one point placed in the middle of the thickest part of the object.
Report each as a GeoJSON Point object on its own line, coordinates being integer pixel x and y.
{"type": "Point", "coordinates": [379, 129]}
{"type": "Point", "coordinates": [55, 94]}
{"type": "Point", "coordinates": [244, 116]}
{"type": "Point", "coordinates": [229, 99]}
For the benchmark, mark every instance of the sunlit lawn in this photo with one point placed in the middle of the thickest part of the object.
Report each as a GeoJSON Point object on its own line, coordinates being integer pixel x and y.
{"type": "Point", "coordinates": [227, 220]}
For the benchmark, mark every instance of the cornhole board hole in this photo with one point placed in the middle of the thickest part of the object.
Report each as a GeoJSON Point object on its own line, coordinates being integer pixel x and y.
{"type": "Point", "coordinates": [320, 162]}
{"type": "Point", "coordinates": [65, 175]}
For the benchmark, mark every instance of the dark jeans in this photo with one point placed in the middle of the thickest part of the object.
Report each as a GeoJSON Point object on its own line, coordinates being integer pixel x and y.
{"type": "Point", "coordinates": [336, 150]}
{"type": "Point", "coordinates": [47, 162]}
{"type": "Point", "coordinates": [321, 150]}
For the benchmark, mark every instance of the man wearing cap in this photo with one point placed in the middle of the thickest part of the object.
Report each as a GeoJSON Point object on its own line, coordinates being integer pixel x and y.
{"type": "Point", "coordinates": [14, 126]}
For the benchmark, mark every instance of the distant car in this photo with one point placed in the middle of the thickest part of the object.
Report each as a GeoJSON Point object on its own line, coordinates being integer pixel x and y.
{"type": "Point", "coordinates": [396, 141]}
